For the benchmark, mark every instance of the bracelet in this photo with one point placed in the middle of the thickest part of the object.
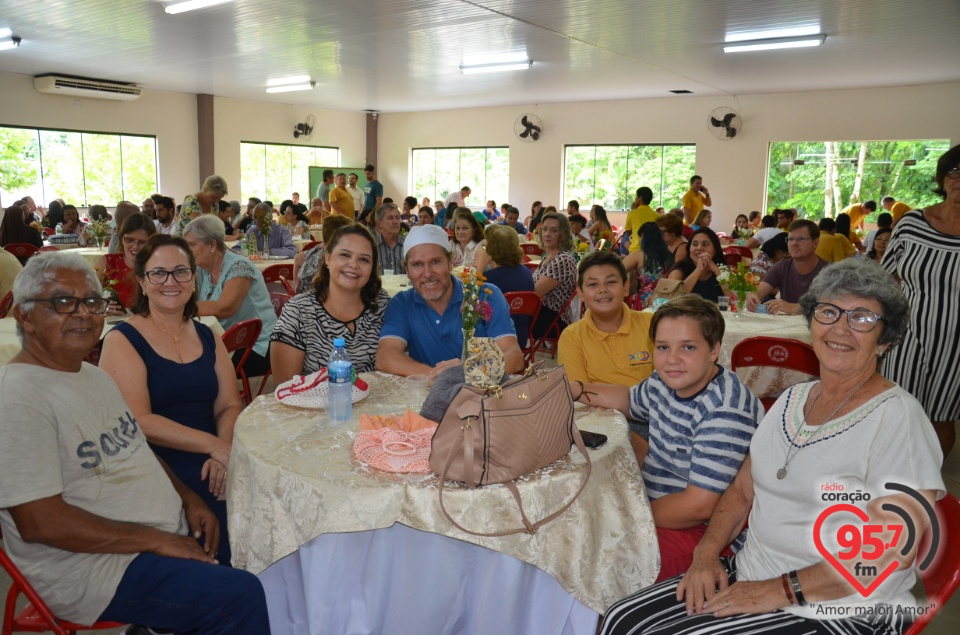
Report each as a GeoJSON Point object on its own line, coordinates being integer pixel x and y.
{"type": "Point", "coordinates": [584, 391]}
{"type": "Point", "coordinates": [785, 581]}
{"type": "Point", "coordinates": [795, 587]}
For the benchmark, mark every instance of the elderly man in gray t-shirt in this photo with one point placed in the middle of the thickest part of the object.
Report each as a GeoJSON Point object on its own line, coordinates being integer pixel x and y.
{"type": "Point", "coordinates": [97, 524]}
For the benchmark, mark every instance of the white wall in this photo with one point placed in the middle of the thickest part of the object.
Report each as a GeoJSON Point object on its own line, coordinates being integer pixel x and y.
{"type": "Point", "coordinates": [734, 171]}
{"type": "Point", "coordinates": [237, 120]}
{"type": "Point", "coordinates": [172, 118]}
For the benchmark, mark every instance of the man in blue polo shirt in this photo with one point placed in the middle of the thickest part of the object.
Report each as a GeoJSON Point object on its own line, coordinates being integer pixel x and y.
{"type": "Point", "coordinates": [422, 328]}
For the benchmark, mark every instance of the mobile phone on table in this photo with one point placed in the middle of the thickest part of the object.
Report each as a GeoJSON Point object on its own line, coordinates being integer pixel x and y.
{"type": "Point", "coordinates": [593, 439]}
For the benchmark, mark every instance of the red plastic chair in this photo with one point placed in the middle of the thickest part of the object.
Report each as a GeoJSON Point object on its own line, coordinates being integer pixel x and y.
{"type": "Point", "coordinates": [532, 249]}
{"type": "Point", "coordinates": [942, 577]}
{"type": "Point", "coordinates": [243, 335]}
{"type": "Point", "coordinates": [278, 300]}
{"type": "Point", "coordinates": [274, 273]}
{"type": "Point", "coordinates": [36, 617]}
{"type": "Point", "coordinates": [732, 260]}
{"type": "Point", "coordinates": [49, 231]}
{"type": "Point", "coordinates": [775, 351]}
{"type": "Point", "coordinates": [310, 245]}
{"type": "Point", "coordinates": [287, 286]}
{"type": "Point", "coordinates": [6, 304]}
{"type": "Point", "coordinates": [532, 266]}
{"type": "Point", "coordinates": [22, 251]}
{"type": "Point", "coordinates": [737, 249]}
{"type": "Point", "coordinates": [525, 303]}
{"type": "Point", "coordinates": [552, 334]}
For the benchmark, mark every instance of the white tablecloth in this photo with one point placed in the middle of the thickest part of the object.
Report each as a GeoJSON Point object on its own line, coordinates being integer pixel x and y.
{"type": "Point", "coordinates": [90, 254]}
{"type": "Point", "coordinates": [292, 480]}
{"type": "Point", "coordinates": [269, 262]}
{"type": "Point", "coordinates": [347, 583]}
{"type": "Point", "coordinates": [10, 344]}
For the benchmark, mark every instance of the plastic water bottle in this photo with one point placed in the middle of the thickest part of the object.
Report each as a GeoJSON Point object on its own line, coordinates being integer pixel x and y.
{"type": "Point", "coordinates": [59, 229]}
{"type": "Point", "coordinates": [340, 385]}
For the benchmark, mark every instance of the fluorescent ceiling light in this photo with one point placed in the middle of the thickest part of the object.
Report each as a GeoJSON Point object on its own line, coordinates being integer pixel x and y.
{"type": "Point", "coordinates": [775, 43]}
{"type": "Point", "coordinates": [12, 43]}
{"type": "Point", "coordinates": [495, 62]}
{"type": "Point", "coordinates": [794, 31]}
{"type": "Point", "coordinates": [190, 5]}
{"type": "Point", "coordinates": [291, 87]}
{"type": "Point", "coordinates": [293, 79]}
{"type": "Point", "coordinates": [496, 68]}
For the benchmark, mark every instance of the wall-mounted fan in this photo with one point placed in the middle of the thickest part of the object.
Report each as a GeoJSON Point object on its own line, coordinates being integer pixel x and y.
{"type": "Point", "coordinates": [528, 127]}
{"type": "Point", "coordinates": [724, 123]}
{"type": "Point", "coordinates": [304, 129]}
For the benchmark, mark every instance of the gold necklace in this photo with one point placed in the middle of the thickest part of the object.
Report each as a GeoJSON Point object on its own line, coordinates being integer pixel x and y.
{"type": "Point", "coordinates": [176, 338]}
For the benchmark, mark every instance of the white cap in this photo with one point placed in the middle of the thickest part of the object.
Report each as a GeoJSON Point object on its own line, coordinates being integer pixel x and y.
{"type": "Point", "coordinates": [426, 235]}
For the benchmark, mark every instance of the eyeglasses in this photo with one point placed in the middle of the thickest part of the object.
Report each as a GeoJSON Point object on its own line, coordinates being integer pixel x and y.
{"type": "Point", "coordinates": [859, 319]}
{"type": "Point", "coordinates": [798, 239]}
{"type": "Point", "coordinates": [69, 304]}
{"type": "Point", "coordinates": [130, 241]}
{"type": "Point", "coordinates": [160, 276]}
{"type": "Point", "coordinates": [954, 172]}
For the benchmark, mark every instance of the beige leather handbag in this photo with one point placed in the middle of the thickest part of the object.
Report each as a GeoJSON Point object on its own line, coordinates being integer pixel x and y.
{"type": "Point", "coordinates": [500, 433]}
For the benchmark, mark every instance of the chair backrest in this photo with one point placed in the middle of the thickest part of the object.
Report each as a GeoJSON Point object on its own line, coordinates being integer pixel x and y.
{"type": "Point", "coordinates": [532, 266]}
{"type": "Point", "coordinates": [310, 245]}
{"type": "Point", "coordinates": [278, 300]}
{"type": "Point", "coordinates": [6, 304]}
{"type": "Point", "coordinates": [273, 273]}
{"type": "Point", "coordinates": [49, 231]}
{"type": "Point", "coordinates": [523, 303]}
{"type": "Point", "coordinates": [746, 252]}
{"type": "Point", "coordinates": [775, 351]}
{"type": "Point", "coordinates": [532, 249]}
{"type": "Point", "coordinates": [243, 335]}
{"type": "Point", "coordinates": [732, 259]}
{"type": "Point", "coordinates": [942, 577]}
{"type": "Point", "coordinates": [22, 250]}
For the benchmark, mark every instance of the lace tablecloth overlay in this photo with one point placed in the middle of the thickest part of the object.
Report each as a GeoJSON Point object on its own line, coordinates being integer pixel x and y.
{"type": "Point", "coordinates": [292, 479]}
{"type": "Point", "coordinates": [764, 381]}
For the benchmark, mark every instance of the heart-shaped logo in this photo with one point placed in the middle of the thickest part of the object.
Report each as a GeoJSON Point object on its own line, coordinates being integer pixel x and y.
{"type": "Point", "coordinates": [832, 559]}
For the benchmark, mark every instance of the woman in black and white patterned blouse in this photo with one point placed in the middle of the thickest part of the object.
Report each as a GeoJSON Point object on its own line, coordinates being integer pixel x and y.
{"type": "Point", "coordinates": [345, 300]}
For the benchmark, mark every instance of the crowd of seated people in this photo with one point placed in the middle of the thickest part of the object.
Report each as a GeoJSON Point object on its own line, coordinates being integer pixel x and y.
{"type": "Point", "coordinates": [705, 450]}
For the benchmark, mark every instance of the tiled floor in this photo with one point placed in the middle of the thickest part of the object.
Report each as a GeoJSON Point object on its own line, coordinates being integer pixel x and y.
{"type": "Point", "coordinates": [947, 621]}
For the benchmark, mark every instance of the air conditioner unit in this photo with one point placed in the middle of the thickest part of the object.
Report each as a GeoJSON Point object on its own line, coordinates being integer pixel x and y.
{"type": "Point", "coordinates": [84, 87]}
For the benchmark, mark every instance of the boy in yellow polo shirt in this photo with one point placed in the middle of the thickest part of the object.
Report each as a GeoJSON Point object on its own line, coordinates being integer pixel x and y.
{"type": "Point", "coordinates": [611, 344]}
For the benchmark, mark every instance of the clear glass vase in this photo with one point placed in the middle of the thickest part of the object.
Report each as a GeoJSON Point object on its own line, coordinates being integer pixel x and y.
{"type": "Point", "coordinates": [740, 300]}
{"type": "Point", "coordinates": [467, 336]}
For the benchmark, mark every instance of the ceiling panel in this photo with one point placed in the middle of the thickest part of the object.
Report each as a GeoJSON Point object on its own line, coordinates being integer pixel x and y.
{"type": "Point", "coordinates": [403, 55]}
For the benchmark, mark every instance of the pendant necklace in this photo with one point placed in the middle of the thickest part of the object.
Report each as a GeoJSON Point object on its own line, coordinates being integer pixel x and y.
{"type": "Point", "coordinates": [793, 449]}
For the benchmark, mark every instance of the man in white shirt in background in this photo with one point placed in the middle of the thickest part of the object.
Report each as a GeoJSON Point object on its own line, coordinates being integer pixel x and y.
{"type": "Point", "coordinates": [460, 198]}
{"type": "Point", "coordinates": [355, 192]}
{"type": "Point", "coordinates": [166, 214]}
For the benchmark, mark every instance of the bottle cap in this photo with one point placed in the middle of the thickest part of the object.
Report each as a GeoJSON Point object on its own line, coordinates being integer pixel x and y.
{"type": "Point", "coordinates": [339, 341]}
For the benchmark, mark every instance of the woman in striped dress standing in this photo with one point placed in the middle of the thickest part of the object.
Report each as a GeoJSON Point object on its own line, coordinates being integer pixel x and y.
{"type": "Point", "coordinates": [924, 253]}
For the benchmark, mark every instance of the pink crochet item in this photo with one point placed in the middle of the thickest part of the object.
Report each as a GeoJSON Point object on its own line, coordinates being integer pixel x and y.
{"type": "Point", "coordinates": [395, 443]}
{"type": "Point", "coordinates": [310, 391]}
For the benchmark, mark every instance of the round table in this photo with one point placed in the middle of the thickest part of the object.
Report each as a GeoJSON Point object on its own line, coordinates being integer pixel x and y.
{"type": "Point", "coordinates": [295, 488]}
{"type": "Point", "coordinates": [90, 254]}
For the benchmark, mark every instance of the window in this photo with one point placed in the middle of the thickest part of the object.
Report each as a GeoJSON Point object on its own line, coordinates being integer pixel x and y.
{"type": "Point", "coordinates": [820, 178]}
{"type": "Point", "coordinates": [82, 168]}
{"type": "Point", "coordinates": [610, 175]}
{"type": "Point", "coordinates": [272, 172]}
{"type": "Point", "coordinates": [439, 171]}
